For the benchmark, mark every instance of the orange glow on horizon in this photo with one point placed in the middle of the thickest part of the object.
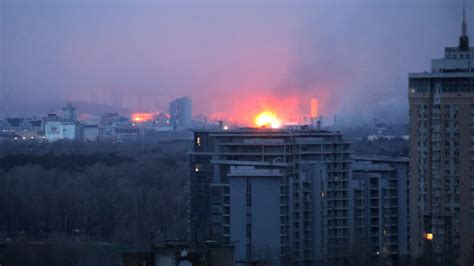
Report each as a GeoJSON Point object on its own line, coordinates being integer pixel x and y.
{"type": "Point", "coordinates": [267, 119]}
{"type": "Point", "coordinates": [289, 109]}
{"type": "Point", "coordinates": [142, 117]}
{"type": "Point", "coordinates": [314, 107]}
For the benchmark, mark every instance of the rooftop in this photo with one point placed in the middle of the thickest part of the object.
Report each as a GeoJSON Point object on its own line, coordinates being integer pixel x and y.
{"type": "Point", "coordinates": [442, 75]}
{"type": "Point", "coordinates": [376, 158]}
{"type": "Point", "coordinates": [298, 130]}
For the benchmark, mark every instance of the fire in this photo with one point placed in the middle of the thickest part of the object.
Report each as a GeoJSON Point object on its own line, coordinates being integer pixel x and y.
{"type": "Point", "coordinates": [267, 119]}
{"type": "Point", "coordinates": [141, 117]}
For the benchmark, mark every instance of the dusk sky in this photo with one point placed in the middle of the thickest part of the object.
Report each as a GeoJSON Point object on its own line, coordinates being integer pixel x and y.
{"type": "Point", "coordinates": [233, 58]}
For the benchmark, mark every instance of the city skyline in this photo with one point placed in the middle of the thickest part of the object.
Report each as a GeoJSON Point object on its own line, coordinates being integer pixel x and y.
{"type": "Point", "coordinates": [260, 55]}
{"type": "Point", "coordinates": [236, 132]}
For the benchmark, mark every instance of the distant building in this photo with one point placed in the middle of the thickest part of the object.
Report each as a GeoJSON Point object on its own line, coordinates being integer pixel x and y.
{"type": "Point", "coordinates": [90, 132]}
{"type": "Point", "coordinates": [109, 118]}
{"type": "Point", "coordinates": [374, 137]}
{"type": "Point", "coordinates": [442, 158]}
{"type": "Point", "coordinates": [69, 113]}
{"type": "Point", "coordinates": [21, 124]}
{"type": "Point", "coordinates": [380, 197]}
{"type": "Point", "coordinates": [52, 129]}
{"type": "Point", "coordinates": [126, 133]}
{"type": "Point", "coordinates": [201, 121]}
{"type": "Point", "coordinates": [36, 125]}
{"type": "Point", "coordinates": [4, 125]}
{"type": "Point", "coordinates": [113, 127]}
{"type": "Point", "coordinates": [162, 121]}
{"type": "Point", "coordinates": [65, 127]}
{"type": "Point", "coordinates": [18, 124]}
{"type": "Point", "coordinates": [69, 130]}
{"type": "Point", "coordinates": [281, 195]}
{"type": "Point", "coordinates": [181, 113]}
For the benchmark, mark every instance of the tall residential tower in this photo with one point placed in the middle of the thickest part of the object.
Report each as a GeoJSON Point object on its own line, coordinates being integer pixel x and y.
{"type": "Point", "coordinates": [442, 157]}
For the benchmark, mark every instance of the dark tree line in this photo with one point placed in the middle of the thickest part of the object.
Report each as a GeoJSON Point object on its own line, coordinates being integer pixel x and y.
{"type": "Point", "coordinates": [87, 192]}
{"type": "Point", "coordinates": [66, 162]}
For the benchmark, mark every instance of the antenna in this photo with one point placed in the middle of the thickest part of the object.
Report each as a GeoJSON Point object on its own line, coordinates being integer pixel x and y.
{"type": "Point", "coordinates": [464, 24]}
{"type": "Point", "coordinates": [464, 39]}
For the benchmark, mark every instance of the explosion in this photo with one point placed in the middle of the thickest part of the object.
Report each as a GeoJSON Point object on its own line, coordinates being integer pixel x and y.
{"type": "Point", "coordinates": [267, 119]}
{"type": "Point", "coordinates": [141, 117]}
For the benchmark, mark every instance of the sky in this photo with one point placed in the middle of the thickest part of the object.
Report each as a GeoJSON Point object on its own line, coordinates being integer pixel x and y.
{"type": "Point", "coordinates": [234, 58]}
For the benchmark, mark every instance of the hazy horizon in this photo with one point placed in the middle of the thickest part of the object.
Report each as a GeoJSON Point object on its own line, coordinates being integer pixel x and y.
{"type": "Point", "coordinates": [233, 58]}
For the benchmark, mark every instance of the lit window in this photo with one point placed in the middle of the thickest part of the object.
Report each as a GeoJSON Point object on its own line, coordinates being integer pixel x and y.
{"type": "Point", "coordinates": [428, 236]}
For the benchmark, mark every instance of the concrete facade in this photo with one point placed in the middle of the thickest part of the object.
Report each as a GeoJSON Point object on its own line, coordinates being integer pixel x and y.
{"type": "Point", "coordinates": [181, 113]}
{"type": "Point", "coordinates": [380, 191]}
{"type": "Point", "coordinates": [441, 158]}
{"type": "Point", "coordinates": [90, 132]}
{"type": "Point", "coordinates": [280, 195]}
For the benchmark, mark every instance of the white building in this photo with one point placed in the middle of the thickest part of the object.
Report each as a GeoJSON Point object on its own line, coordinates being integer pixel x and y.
{"type": "Point", "coordinates": [65, 127]}
{"type": "Point", "coordinates": [68, 130]}
{"type": "Point", "coordinates": [52, 130]}
{"type": "Point", "coordinates": [56, 130]}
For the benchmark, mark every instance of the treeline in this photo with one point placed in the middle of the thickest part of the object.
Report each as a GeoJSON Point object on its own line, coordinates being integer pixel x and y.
{"type": "Point", "coordinates": [117, 193]}
{"type": "Point", "coordinates": [67, 162]}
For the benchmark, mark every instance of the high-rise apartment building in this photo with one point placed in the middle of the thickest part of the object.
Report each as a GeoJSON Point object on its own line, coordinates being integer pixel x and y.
{"type": "Point", "coordinates": [441, 156]}
{"type": "Point", "coordinates": [380, 195]}
{"type": "Point", "coordinates": [278, 195]}
{"type": "Point", "coordinates": [181, 113]}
